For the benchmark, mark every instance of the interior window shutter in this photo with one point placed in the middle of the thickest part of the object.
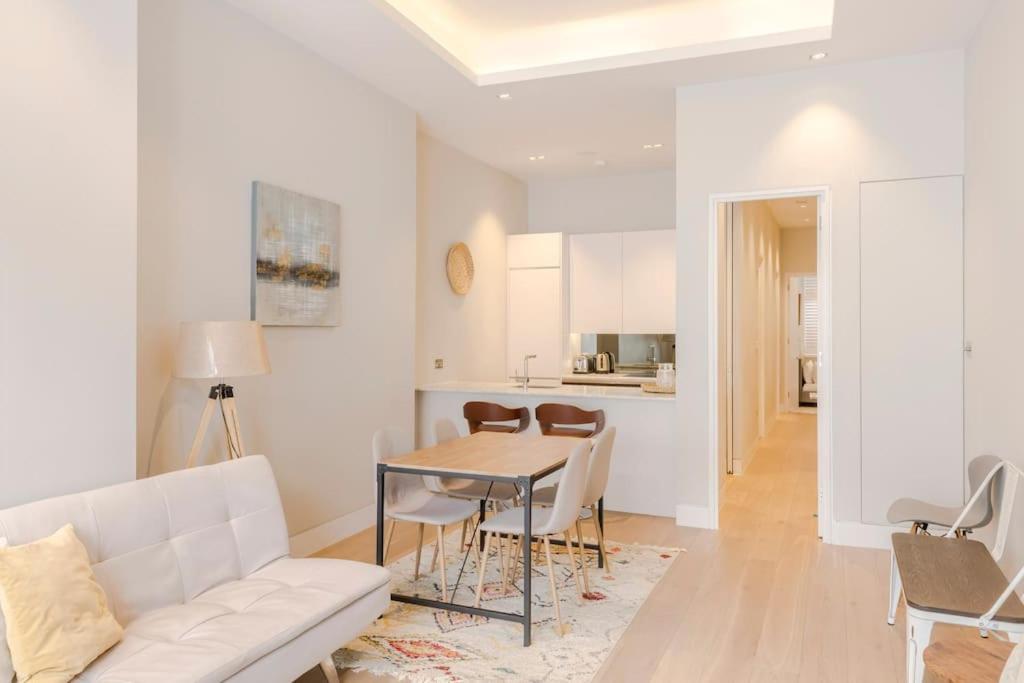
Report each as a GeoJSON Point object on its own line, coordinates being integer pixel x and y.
{"type": "Point", "coordinates": [809, 314]}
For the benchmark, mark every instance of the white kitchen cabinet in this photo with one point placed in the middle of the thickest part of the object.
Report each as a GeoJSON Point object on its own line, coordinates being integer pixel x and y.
{"type": "Point", "coordinates": [595, 283]}
{"type": "Point", "coordinates": [535, 250]}
{"type": "Point", "coordinates": [535, 321]}
{"type": "Point", "coordinates": [535, 311]}
{"type": "Point", "coordinates": [649, 282]}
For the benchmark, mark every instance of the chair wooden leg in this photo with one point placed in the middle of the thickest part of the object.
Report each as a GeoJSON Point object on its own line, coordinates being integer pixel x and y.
{"type": "Point", "coordinates": [501, 558]}
{"type": "Point", "coordinates": [444, 568]}
{"type": "Point", "coordinates": [330, 671]}
{"type": "Point", "coordinates": [387, 543]}
{"type": "Point", "coordinates": [483, 569]}
{"type": "Point", "coordinates": [433, 558]}
{"type": "Point", "coordinates": [572, 562]}
{"type": "Point", "coordinates": [516, 555]}
{"type": "Point", "coordinates": [419, 550]}
{"type": "Point", "coordinates": [600, 540]}
{"type": "Point", "coordinates": [583, 555]}
{"type": "Point", "coordinates": [554, 588]}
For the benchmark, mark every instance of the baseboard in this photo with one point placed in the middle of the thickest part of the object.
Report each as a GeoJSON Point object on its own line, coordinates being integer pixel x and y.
{"type": "Point", "coordinates": [861, 535]}
{"type": "Point", "coordinates": [694, 516]}
{"type": "Point", "coordinates": [329, 533]}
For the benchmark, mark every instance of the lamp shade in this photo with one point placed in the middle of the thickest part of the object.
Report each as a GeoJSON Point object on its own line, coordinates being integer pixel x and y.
{"type": "Point", "coordinates": [214, 349]}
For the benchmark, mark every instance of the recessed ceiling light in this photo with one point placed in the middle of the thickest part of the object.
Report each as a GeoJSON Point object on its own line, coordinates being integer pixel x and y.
{"type": "Point", "coordinates": [807, 220]}
{"type": "Point", "coordinates": [504, 96]}
{"type": "Point", "coordinates": [818, 56]}
{"type": "Point", "coordinates": [537, 157]}
{"type": "Point", "coordinates": [655, 145]}
{"type": "Point", "coordinates": [599, 162]}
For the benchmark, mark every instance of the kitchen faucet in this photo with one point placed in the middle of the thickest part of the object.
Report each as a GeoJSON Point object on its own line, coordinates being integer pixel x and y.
{"type": "Point", "coordinates": [526, 369]}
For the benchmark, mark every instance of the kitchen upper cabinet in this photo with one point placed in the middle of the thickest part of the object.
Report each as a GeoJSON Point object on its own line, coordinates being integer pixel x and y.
{"type": "Point", "coordinates": [595, 283]}
{"type": "Point", "coordinates": [649, 282]}
{"type": "Point", "coordinates": [535, 318]}
{"type": "Point", "coordinates": [535, 321]}
{"type": "Point", "coordinates": [535, 250]}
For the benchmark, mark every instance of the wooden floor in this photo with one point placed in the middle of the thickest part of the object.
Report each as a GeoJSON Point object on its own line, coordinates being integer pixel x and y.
{"type": "Point", "coordinates": [759, 600]}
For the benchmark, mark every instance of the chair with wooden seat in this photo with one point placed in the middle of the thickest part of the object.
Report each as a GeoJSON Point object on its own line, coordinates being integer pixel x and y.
{"type": "Point", "coordinates": [560, 419]}
{"type": "Point", "coordinates": [950, 579]}
{"type": "Point", "coordinates": [489, 417]}
{"type": "Point", "coordinates": [963, 659]}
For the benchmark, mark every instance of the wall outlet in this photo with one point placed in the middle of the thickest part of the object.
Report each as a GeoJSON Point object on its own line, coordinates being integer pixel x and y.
{"type": "Point", "coordinates": [439, 363]}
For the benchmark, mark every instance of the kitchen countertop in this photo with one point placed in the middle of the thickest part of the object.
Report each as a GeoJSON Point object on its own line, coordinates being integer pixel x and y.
{"type": "Point", "coordinates": [577, 390]}
{"type": "Point", "coordinates": [614, 378]}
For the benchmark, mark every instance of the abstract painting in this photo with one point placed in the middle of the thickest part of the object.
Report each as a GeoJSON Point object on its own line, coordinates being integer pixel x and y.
{"type": "Point", "coordinates": [295, 241]}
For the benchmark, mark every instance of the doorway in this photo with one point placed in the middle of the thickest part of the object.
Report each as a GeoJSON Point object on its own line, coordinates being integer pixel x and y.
{"type": "Point", "coordinates": [769, 331]}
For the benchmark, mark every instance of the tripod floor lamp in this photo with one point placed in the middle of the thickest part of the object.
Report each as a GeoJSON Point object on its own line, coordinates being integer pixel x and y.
{"type": "Point", "coordinates": [220, 350]}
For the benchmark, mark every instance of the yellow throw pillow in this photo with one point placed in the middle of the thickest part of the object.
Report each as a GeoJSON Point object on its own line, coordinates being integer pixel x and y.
{"type": "Point", "coordinates": [56, 612]}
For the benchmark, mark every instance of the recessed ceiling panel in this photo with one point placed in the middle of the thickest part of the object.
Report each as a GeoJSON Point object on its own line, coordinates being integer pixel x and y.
{"type": "Point", "coordinates": [497, 41]}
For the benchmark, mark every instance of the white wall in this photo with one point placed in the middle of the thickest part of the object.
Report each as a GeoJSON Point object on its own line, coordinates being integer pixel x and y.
{"type": "Point", "coordinates": [460, 199]}
{"type": "Point", "coordinates": [834, 126]}
{"type": "Point", "coordinates": [613, 203]}
{"type": "Point", "coordinates": [67, 246]}
{"type": "Point", "coordinates": [800, 250]}
{"type": "Point", "coordinates": [225, 101]}
{"type": "Point", "coordinates": [995, 235]}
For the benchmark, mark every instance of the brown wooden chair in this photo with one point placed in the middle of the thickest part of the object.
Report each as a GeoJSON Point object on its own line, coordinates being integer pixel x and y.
{"type": "Point", "coordinates": [550, 417]}
{"type": "Point", "coordinates": [481, 415]}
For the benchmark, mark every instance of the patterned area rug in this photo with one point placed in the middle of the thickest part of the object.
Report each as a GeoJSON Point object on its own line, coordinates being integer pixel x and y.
{"type": "Point", "coordinates": [419, 644]}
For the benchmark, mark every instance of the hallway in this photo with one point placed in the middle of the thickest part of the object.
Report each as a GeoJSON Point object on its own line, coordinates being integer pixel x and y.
{"type": "Point", "coordinates": [763, 599]}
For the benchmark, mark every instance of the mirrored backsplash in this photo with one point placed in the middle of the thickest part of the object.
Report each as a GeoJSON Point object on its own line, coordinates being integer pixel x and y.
{"type": "Point", "coordinates": [632, 349]}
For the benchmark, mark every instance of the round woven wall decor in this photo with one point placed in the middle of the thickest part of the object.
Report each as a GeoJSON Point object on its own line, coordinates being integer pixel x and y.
{"type": "Point", "coordinates": [460, 268]}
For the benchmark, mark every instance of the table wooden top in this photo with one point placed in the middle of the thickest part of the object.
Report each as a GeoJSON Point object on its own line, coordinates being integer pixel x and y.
{"type": "Point", "coordinates": [493, 454]}
{"type": "Point", "coordinates": [952, 576]}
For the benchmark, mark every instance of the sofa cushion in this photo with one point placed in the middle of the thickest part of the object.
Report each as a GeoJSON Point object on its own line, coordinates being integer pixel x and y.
{"type": "Point", "coordinates": [232, 625]}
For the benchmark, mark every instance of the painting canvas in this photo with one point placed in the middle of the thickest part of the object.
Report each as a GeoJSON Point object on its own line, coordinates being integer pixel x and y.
{"type": "Point", "coordinates": [295, 258]}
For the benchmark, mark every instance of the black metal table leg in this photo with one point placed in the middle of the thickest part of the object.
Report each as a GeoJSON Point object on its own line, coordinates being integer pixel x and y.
{"type": "Point", "coordinates": [527, 486]}
{"type": "Point", "coordinates": [600, 522]}
{"type": "Point", "coordinates": [483, 516]}
{"type": "Point", "coordinates": [380, 514]}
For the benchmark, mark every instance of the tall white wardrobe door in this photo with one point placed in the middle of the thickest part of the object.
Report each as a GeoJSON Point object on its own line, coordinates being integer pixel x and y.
{"type": "Point", "coordinates": [912, 322]}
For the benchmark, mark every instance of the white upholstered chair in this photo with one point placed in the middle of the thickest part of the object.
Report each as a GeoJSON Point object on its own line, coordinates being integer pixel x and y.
{"type": "Point", "coordinates": [597, 482]}
{"type": "Point", "coordinates": [407, 499]}
{"type": "Point", "coordinates": [558, 519]}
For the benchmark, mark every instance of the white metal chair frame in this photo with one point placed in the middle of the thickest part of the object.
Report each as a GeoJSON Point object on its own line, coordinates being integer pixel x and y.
{"type": "Point", "coordinates": [920, 622]}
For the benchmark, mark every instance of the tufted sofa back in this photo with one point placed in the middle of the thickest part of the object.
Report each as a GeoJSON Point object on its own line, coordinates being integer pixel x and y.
{"type": "Point", "coordinates": [164, 540]}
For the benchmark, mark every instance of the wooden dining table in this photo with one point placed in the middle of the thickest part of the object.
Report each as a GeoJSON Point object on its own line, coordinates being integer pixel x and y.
{"type": "Point", "coordinates": [519, 459]}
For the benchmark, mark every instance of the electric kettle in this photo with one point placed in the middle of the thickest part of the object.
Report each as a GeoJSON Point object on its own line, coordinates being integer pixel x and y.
{"type": "Point", "coordinates": [605, 363]}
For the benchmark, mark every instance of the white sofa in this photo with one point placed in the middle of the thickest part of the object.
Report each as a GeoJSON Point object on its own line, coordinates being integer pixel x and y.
{"type": "Point", "coordinates": [195, 566]}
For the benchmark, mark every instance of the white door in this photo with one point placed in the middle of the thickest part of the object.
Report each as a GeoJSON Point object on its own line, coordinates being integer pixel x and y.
{"type": "Point", "coordinates": [595, 283]}
{"type": "Point", "coordinates": [649, 282]}
{"type": "Point", "coordinates": [535, 321]}
{"type": "Point", "coordinates": [912, 384]}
